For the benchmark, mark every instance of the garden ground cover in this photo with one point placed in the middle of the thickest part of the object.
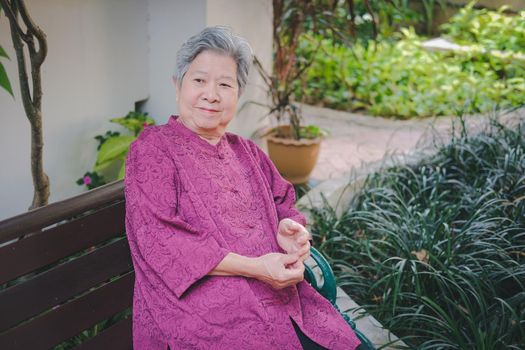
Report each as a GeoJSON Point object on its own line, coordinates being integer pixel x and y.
{"type": "Point", "coordinates": [435, 251]}
{"type": "Point", "coordinates": [397, 77]}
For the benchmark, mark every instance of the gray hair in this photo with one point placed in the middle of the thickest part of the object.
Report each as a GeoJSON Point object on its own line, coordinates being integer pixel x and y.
{"type": "Point", "coordinates": [218, 39]}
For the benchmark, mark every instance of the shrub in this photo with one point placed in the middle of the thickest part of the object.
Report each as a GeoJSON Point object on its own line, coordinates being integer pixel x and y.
{"type": "Point", "coordinates": [401, 79]}
{"type": "Point", "coordinates": [493, 30]}
{"type": "Point", "coordinates": [113, 149]}
{"type": "Point", "coordinates": [436, 251]}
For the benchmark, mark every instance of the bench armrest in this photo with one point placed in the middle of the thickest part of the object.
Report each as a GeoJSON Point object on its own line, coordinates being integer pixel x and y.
{"type": "Point", "coordinates": [329, 286]}
{"type": "Point", "coordinates": [329, 291]}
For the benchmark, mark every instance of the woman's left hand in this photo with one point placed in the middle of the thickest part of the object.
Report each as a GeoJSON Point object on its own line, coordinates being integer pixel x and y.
{"type": "Point", "coordinates": [293, 237]}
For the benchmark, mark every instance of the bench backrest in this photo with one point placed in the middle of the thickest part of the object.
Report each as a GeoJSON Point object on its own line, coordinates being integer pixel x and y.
{"type": "Point", "coordinates": [66, 273]}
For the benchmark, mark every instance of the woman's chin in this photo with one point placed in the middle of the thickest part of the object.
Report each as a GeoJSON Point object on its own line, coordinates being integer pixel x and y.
{"type": "Point", "coordinates": [208, 125]}
{"type": "Point", "coordinates": [209, 120]}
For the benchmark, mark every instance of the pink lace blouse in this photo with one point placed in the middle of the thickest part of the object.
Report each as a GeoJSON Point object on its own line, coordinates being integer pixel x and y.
{"type": "Point", "coordinates": [188, 204]}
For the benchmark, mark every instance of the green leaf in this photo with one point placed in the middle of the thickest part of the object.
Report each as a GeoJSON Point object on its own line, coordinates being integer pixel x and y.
{"type": "Point", "coordinates": [100, 167]}
{"type": "Point", "coordinates": [130, 124]}
{"type": "Point", "coordinates": [122, 171]}
{"type": "Point", "coordinates": [4, 80]}
{"type": "Point", "coordinates": [3, 53]}
{"type": "Point", "coordinates": [114, 148]}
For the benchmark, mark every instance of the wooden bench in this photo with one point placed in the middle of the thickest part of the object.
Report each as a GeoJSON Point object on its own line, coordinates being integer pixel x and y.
{"type": "Point", "coordinates": [66, 277]}
{"type": "Point", "coordinates": [64, 269]}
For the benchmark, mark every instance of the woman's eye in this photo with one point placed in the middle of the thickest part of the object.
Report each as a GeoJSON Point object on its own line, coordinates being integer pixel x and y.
{"type": "Point", "coordinates": [226, 85]}
{"type": "Point", "coordinates": [198, 80]}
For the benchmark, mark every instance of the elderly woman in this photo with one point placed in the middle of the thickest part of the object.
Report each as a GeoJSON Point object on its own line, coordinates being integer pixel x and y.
{"type": "Point", "coordinates": [216, 242]}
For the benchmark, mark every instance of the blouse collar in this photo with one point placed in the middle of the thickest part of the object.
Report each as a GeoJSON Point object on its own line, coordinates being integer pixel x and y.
{"type": "Point", "coordinates": [200, 143]}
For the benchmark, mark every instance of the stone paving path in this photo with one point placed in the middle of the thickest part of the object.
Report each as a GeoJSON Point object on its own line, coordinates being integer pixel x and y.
{"type": "Point", "coordinates": [358, 144]}
{"type": "Point", "coordinates": [357, 139]}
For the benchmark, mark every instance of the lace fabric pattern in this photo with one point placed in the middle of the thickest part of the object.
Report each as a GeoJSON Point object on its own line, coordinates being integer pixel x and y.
{"type": "Point", "coordinates": [190, 203]}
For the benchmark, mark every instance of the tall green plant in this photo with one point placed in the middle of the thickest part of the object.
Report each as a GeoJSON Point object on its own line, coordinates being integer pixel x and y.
{"type": "Point", "coordinates": [435, 250]}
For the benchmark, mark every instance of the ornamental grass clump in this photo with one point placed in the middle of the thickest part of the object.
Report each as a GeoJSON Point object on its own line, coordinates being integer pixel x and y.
{"type": "Point", "coordinates": [436, 251]}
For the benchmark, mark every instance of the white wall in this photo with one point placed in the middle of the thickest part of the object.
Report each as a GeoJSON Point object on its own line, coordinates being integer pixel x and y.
{"type": "Point", "coordinates": [253, 21]}
{"type": "Point", "coordinates": [96, 68]}
{"type": "Point", "coordinates": [104, 56]}
{"type": "Point", "coordinates": [170, 23]}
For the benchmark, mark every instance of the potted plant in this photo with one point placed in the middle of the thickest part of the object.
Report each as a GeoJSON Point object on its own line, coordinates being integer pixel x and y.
{"type": "Point", "coordinates": [292, 146]}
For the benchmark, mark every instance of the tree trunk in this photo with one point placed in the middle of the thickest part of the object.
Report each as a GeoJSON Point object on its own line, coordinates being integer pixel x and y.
{"type": "Point", "coordinates": [40, 178]}
{"type": "Point", "coordinates": [28, 38]}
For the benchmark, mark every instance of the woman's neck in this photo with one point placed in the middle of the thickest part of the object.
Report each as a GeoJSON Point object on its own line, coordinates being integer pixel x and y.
{"type": "Point", "coordinates": [211, 139]}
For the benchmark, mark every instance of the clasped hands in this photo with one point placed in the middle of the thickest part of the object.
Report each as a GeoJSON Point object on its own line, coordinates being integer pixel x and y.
{"type": "Point", "coordinates": [284, 270]}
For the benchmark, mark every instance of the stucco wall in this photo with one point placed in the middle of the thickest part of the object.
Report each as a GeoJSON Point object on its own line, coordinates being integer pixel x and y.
{"type": "Point", "coordinates": [104, 58]}
{"type": "Point", "coordinates": [170, 23]}
{"type": "Point", "coordinates": [252, 20]}
{"type": "Point", "coordinates": [96, 68]}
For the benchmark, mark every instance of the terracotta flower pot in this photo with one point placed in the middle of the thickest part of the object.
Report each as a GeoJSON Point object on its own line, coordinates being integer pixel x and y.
{"type": "Point", "coordinates": [295, 159]}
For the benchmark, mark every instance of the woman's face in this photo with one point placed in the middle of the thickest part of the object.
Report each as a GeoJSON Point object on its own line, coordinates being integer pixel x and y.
{"type": "Point", "coordinates": [207, 98]}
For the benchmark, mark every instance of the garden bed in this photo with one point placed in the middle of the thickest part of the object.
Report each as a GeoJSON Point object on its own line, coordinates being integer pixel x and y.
{"type": "Point", "coordinates": [434, 250]}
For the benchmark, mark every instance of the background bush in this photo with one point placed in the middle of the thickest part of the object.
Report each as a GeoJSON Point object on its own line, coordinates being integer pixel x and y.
{"type": "Point", "coordinates": [493, 30]}
{"type": "Point", "coordinates": [436, 251]}
{"type": "Point", "coordinates": [397, 77]}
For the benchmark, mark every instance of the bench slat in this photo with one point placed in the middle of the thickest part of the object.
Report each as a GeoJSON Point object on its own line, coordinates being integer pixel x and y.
{"type": "Point", "coordinates": [60, 241]}
{"type": "Point", "coordinates": [63, 282]}
{"type": "Point", "coordinates": [50, 214]}
{"type": "Point", "coordinates": [116, 337]}
{"type": "Point", "coordinates": [70, 319]}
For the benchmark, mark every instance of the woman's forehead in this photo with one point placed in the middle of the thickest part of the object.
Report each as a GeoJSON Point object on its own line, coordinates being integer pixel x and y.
{"type": "Point", "coordinates": [208, 62]}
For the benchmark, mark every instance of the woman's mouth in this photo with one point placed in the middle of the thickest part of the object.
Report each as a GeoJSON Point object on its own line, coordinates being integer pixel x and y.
{"type": "Point", "coordinates": [208, 110]}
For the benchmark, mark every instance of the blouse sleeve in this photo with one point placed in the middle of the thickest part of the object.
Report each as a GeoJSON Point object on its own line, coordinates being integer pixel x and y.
{"type": "Point", "coordinates": [163, 246]}
{"type": "Point", "coordinates": [283, 192]}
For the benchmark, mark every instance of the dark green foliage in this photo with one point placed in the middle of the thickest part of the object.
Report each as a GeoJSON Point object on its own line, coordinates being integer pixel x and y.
{"type": "Point", "coordinates": [91, 180]}
{"type": "Point", "coordinates": [436, 251]}
{"type": "Point", "coordinates": [103, 138]}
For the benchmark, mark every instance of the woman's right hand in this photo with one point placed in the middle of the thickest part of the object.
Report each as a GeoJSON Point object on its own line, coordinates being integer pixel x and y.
{"type": "Point", "coordinates": [280, 270]}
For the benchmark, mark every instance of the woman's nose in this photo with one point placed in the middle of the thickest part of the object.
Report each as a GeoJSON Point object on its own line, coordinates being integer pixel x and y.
{"type": "Point", "coordinates": [210, 94]}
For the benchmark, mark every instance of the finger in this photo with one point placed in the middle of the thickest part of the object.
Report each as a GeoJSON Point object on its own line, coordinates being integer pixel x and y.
{"type": "Point", "coordinates": [294, 226]}
{"type": "Point", "coordinates": [303, 238]}
{"type": "Point", "coordinates": [288, 231]}
{"type": "Point", "coordinates": [297, 265]}
{"type": "Point", "coordinates": [293, 275]}
{"type": "Point", "coordinates": [305, 232]}
{"type": "Point", "coordinates": [309, 235]}
{"type": "Point", "coordinates": [304, 257]}
{"type": "Point", "coordinates": [289, 259]}
{"type": "Point", "coordinates": [304, 248]}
